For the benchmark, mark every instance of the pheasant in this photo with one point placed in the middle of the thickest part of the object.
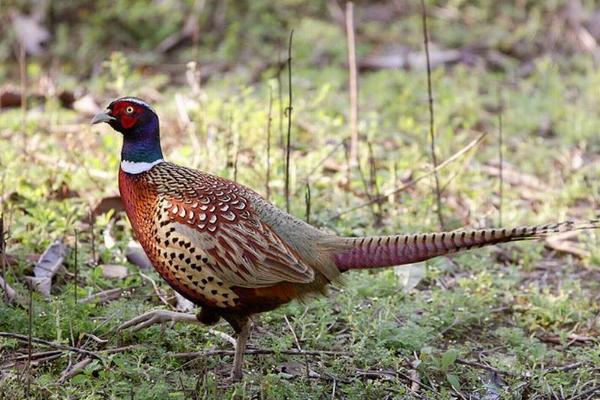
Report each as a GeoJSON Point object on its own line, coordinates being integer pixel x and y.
{"type": "Point", "coordinates": [229, 251]}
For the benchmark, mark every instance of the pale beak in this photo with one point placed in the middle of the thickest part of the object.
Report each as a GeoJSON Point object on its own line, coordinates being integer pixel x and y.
{"type": "Point", "coordinates": [102, 117]}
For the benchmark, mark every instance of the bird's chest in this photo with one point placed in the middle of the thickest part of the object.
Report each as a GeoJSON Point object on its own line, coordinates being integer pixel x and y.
{"type": "Point", "coordinates": [182, 262]}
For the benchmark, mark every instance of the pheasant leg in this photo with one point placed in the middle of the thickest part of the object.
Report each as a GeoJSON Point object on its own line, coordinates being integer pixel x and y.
{"type": "Point", "coordinates": [240, 348]}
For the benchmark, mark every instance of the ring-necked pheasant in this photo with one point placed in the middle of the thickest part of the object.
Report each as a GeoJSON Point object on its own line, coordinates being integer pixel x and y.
{"type": "Point", "coordinates": [225, 248]}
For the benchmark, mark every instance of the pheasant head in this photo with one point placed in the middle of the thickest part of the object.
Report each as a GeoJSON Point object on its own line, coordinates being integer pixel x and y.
{"type": "Point", "coordinates": [138, 123]}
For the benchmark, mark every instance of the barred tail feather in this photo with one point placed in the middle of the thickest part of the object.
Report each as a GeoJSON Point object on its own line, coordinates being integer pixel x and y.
{"type": "Point", "coordinates": [384, 251]}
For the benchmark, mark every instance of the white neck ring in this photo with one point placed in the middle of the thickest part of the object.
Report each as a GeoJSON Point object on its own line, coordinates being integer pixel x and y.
{"type": "Point", "coordinates": [135, 167]}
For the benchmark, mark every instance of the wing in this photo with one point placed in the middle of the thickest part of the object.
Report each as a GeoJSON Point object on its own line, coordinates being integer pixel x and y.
{"type": "Point", "coordinates": [216, 216]}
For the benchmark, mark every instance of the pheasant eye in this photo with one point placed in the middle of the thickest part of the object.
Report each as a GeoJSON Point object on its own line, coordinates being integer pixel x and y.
{"type": "Point", "coordinates": [129, 110]}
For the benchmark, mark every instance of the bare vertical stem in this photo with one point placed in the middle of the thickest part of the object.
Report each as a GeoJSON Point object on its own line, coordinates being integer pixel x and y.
{"type": "Point", "coordinates": [500, 169]}
{"type": "Point", "coordinates": [2, 254]}
{"type": "Point", "coordinates": [76, 264]}
{"type": "Point", "coordinates": [29, 336]}
{"type": "Point", "coordinates": [438, 193]}
{"type": "Point", "coordinates": [237, 155]}
{"type": "Point", "coordinates": [353, 83]}
{"type": "Point", "coordinates": [289, 126]}
{"type": "Point", "coordinates": [23, 82]}
{"type": "Point", "coordinates": [374, 186]}
{"type": "Point", "coordinates": [269, 123]}
{"type": "Point", "coordinates": [280, 101]}
{"type": "Point", "coordinates": [93, 235]}
{"type": "Point", "coordinates": [307, 200]}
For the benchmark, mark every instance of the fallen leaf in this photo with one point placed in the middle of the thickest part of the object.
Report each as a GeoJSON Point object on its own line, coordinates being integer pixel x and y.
{"type": "Point", "coordinates": [113, 271]}
{"type": "Point", "coordinates": [47, 266]}
{"type": "Point", "coordinates": [8, 293]}
{"type": "Point", "coordinates": [183, 304]}
{"type": "Point", "coordinates": [136, 255]}
{"type": "Point", "coordinates": [107, 204]}
{"type": "Point", "coordinates": [410, 275]}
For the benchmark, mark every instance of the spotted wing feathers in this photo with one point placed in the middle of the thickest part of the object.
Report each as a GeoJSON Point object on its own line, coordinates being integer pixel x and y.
{"type": "Point", "coordinates": [217, 216]}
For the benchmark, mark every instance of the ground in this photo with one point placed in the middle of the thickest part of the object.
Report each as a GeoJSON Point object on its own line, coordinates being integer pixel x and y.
{"type": "Point", "coordinates": [513, 321]}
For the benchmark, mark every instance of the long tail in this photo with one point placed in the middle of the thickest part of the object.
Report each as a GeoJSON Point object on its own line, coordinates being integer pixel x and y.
{"type": "Point", "coordinates": [384, 251]}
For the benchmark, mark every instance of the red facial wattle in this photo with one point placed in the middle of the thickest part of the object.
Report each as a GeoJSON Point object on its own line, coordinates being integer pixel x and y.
{"type": "Point", "coordinates": [127, 113]}
{"type": "Point", "coordinates": [128, 121]}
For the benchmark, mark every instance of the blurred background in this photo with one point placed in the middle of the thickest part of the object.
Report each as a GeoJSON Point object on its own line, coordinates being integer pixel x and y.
{"type": "Point", "coordinates": [515, 121]}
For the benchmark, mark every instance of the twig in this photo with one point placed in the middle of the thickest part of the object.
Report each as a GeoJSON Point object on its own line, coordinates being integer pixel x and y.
{"type": "Point", "coordinates": [567, 367]}
{"type": "Point", "coordinates": [26, 338]}
{"type": "Point", "coordinates": [353, 83]}
{"type": "Point", "coordinates": [492, 369]}
{"type": "Point", "coordinates": [39, 354]}
{"type": "Point", "coordinates": [307, 200]}
{"type": "Point", "coordinates": [593, 390]}
{"type": "Point", "coordinates": [76, 369]}
{"type": "Point", "coordinates": [501, 169]}
{"type": "Point", "coordinates": [23, 81]}
{"type": "Point", "coordinates": [29, 338]}
{"type": "Point", "coordinates": [157, 291]}
{"type": "Point", "coordinates": [289, 126]}
{"type": "Point", "coordinates": [76, 264]}
{"type": "Point", "coordinates": [92, 235]}
{"type": "Point", "coordinates": [374, 186]}
{"type": "Point", "coordinates": [3, 256]}
{"type": "Point", "coordinates": [280, 101]}
{"type": "Point", "coordinates": [236, 157]}
{"type": "Point", "coordinates": [438, 193]}
{"type": "Point", "coordinates": [107, 295]}
{"type": "Point", "coordinates": [453, 158]}
{"type": "Point", "coordinates": [229, 339]}
{"type": "Point", "coordinates": [291, 328]}
{"type": "Point", "coordinates": [209, 353]}
{"type": "Point", "coordinates": [269, 122]}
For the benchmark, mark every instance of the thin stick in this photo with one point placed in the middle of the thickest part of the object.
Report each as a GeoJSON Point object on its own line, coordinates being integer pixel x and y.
{"type": "Point", "coordinates": [291, 328]}
{"type": "Point", "coordinates": [23, 81]}
{"type": "Point", "coordinates": [3, 256]}
{"type": "Point", "coordinates": [30, 339]}
{"type": "Point", "coordinates": [289, 126]}
{"type": "Point", "coordinates": [501, 169]}
{"type": "Point", "coordinates": [236, 157]}
{"type": "Point", "coordinates": [269, 122]}
{"type": "Point", "coordinates": [454, 157]}
{"type": "Point", "coordinates": [374, 185]}
{"type": "Point", "coordinates": [353, 83]}
{"type": "Point", "coordinates": [307, 200]}
{"type": "Point", "coordinates": [280, 101]}
{"type": "Point", "coordinates": [92, 235]}
{"type": "Point", "coordinates": [438, 193]}
{"type": "Point", "coordinates": [209, 353]}
{"type": "Point", "coordinates": [75, 259]}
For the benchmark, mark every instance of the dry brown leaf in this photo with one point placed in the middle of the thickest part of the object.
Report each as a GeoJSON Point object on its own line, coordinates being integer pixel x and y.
{"type": "Point", "coordinates": [47, 266]}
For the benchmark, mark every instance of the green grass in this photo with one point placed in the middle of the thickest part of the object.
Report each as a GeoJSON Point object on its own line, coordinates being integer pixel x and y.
{"type": "Point", "coordinates": [497, 307]}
